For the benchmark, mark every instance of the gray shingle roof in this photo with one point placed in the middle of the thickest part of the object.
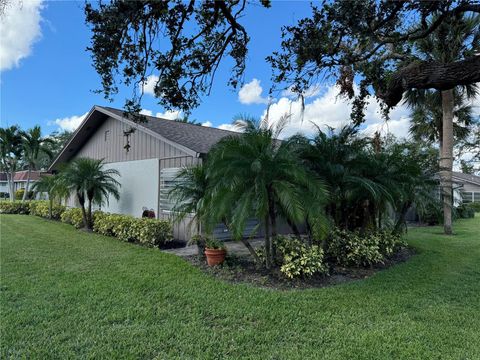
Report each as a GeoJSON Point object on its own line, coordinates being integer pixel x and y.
{"type": "Point", "coordinates": [467, 177]}
{"type": "Point", "coordinates": [195, 137]}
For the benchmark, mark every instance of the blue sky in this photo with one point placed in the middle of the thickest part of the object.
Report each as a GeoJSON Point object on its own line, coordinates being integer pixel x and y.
{"type": "Point", "coordinates": [47, 77]}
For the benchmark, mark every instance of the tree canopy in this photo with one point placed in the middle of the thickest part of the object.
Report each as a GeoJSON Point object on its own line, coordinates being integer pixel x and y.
{"type": "Point", "coordinates": [374, 43]}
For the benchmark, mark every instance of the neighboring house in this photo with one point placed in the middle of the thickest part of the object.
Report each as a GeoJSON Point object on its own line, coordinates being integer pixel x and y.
{"type": "Point", "coordinates": [148, 159]}
{"type": "Point", "coordinates": [468, 185]}
{"type": "Point", "coordinates": [19, 181]}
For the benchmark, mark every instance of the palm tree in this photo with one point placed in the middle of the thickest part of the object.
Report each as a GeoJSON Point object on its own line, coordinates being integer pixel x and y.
{"type": "Point", "coordinates": [453, 40]}
{"type": "Point", "coordinates": [91, 183]}
{"type": "Point", "coordinates": [190, 197]}
{"type": "Point", "coordinates": [33, 145]}
{"type": "Point", "coordinates": [54, 186]}
{"type": "Point", "coordinates": [10, 152]}
{"type": "Point", "coordinates": [254, 174]}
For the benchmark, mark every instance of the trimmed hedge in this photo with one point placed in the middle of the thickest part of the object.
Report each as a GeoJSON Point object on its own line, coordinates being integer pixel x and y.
{"type": "Point", "coordinates": [150, 232]}
{"type": "Point", "coordinates": [14, 207]}
{"type": "Point", "coordinates": [40, 208]}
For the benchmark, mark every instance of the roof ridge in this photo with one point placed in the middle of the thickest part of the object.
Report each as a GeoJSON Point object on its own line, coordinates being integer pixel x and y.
{"type": "Point", "coordinates": [177, 122]}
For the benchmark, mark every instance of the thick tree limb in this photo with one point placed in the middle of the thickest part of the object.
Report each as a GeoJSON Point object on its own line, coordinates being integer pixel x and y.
{"type": "Point", "coordinates": [430, 75]}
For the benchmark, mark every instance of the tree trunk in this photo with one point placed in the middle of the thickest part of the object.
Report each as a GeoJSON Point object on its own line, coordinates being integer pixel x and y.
{"type": "Point", "coordinates": [81, 200]}
{"type": "Point", "coordinates": [428, 75]}
{"type": "Point", "coordinates": [273, 221]}
{"type": "Point", "coordinates": [251, 250]}
{"type": "Point", "coordinates": [446, 160]}
{"type": "Point", "coordinates": [50, 205]}
{"type": "Point", "coordinates": [268, 252]}
{"type": "Point", "coordinates": [89, 215]}
{"type": "Point", "coordinates": [12, 185]}
{"type": "Point", "coordinates": [25, 194]}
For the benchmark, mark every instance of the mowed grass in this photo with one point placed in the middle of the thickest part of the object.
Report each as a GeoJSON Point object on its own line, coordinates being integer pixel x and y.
{"type": "Point", "coordinates": [69, 294]}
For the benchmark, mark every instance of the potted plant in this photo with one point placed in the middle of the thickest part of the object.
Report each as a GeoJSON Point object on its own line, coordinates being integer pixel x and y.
{"type": "Point", "coordinates": [200, 241]}
{"type": "Point", "coordinates": [215, 252]}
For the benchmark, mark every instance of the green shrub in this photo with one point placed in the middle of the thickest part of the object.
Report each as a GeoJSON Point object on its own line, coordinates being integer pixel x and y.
{"type": "Point", "coordinates": [73, 217]}
{"type": "Point", "coordinates": [41, 208]}
{"type": "Point", "coordinates": [19, 194]}
{"type": "Point", "coordinates": [297, 259]}
{"type": "Point", "coordinates": [389, 242]}
{"type": "Point", "coordinates": [15, 207]}
{"type": "Point", "coordinates": [475, 206]}
{"type": "Point", "coordinates": [151, 232]}
{"type": "Point", "coordinates": [465, 211]}
{"type": "Point", "coordinates": [348, 248]}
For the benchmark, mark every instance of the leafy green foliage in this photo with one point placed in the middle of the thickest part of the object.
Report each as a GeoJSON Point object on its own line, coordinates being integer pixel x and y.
{"type": "Point", "coordinates": [91, 183]}
{"type": "Point", "coordinates": [150, 232]}
{"type": "Point", "coordinates": [351, 248]}
{"type": "Point", "coordinates": [211, 243]}
{"type": "Point", "coordinates": [298, 259]}
{"type": "Point", "coordinates": [375, 41]}
{"type": "Point", "coordinates": [182, 42]}
{"type": "Point", "coordinates": [475, 206]}
{"type": "Point", "coordinates": [465, 211]}
{"type": "Point", "coordinates": [14, 207]}
{"type": "Point", "coordinates": [42, 209]}
{"type": "Point", "coordinates": [73, 217]}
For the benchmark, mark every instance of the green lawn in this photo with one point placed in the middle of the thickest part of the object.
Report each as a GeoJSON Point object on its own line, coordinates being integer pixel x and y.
{"type": "Point", "coordinates": [68, 294]}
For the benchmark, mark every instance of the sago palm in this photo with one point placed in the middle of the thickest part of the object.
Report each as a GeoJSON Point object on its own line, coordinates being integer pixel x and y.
{"type": "Point", "coordinates": [256, 175]}
{"type": "Point", "coordinates": [54, 186]}
{"type": "Point", "coordinates": [91, 183]}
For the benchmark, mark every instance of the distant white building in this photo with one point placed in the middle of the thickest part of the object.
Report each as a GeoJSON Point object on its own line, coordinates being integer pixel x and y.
{"type": "Point", "coordinates": [19, 180]}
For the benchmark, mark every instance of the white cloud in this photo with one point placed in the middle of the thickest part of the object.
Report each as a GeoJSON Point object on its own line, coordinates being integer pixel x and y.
{"type": "Point", "coordinates": [69, 123]}
{"type": "Point", "coordinates": [146, 112]}
{"type": "Point", "coordinates": [329, 109]}
{"type": "Point", "coordinates": [19, 29]}
{"type": "Point", "coordinates": [169, 114]}
{"type": "Point", "coordinates": [207, 124]}
{"type": "Point", "coordinates": [149, 85]}
{"type": "Point", "coordinates": [312, 91]}
{"type": "Point", "coordinates": [251, 93]}
{"type": "Point", "coordinates": [229, 127]}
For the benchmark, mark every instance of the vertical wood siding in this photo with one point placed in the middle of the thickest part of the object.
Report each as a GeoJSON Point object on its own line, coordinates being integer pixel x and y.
{"type": "Point", "coordinates": [111, 148]}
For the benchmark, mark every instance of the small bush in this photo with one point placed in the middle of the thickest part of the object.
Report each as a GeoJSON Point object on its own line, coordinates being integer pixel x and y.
{"type": "Point", "coordinates": [348, 248]}
{"type": "Point", "coordinates": [297, 259]}
{"type": "Point", "coordinates": [151, 232]}
{"type": "Point", "coordinates": [475, 206]}
{"type": "Point", "coordinates": [14, 207]}
{"type": "Point", "coordinates": [73, 217]}
{"type": "Point", "coordinates": [465, 211]}
{"type": "Point", "coordinates": [41, 208]}
{"type": "Point", "coordinates": [19, 194]}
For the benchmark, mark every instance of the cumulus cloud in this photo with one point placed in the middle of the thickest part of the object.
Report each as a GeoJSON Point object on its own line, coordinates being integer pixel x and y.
{"type": "Point", "coordinates": [251, 93]}
{"type": "Point", "coordinates": [69, 123]}
{"type": "Point", "coordinates": [149, 85]}
{"type": "Point", "coordinates": [207, 124]}
{"type": "Point", "coordinates": [19, 29]}
{"type": "Point", "coordinates": [229, 127]}
{"type": "Point", "coordinates": [169, 114]}
{"type": "Point", "coordinates": [312, 91]}
{"type": "Point", "coordinates": [329, 109]}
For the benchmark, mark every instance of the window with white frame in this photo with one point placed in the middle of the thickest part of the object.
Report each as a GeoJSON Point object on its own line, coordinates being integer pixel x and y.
{"type": "Point", "coordinates": [168, 180]}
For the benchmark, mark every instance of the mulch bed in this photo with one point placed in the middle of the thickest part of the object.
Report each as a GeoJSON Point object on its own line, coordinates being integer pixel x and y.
{"type": "Point", "coordinates": [242, 269]}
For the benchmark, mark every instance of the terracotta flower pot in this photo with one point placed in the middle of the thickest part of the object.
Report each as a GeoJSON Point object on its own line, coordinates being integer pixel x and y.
{"type": "Point", "coordinates": [215, 256]}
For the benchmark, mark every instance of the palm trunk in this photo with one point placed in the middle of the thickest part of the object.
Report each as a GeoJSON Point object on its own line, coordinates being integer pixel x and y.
{"type": "Point", "coordinates": [50, 206]}
{"type": "Point", "coordinates": [273, 221]}
{"type": "Point", "coordinates": [25, 194]}
{"type": "Point", "coordinates": [446, 160]}
{"type": "Point", "coordinates": [251, 250]}
{"type": "Point", "coordinates": [268, 252]}
{"type": "Point", "coordinates": [12, 185]}
{"type": "Point", "coordinates": [89, 215]}
{"type": "Point", "coordinates": [81, 200]}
